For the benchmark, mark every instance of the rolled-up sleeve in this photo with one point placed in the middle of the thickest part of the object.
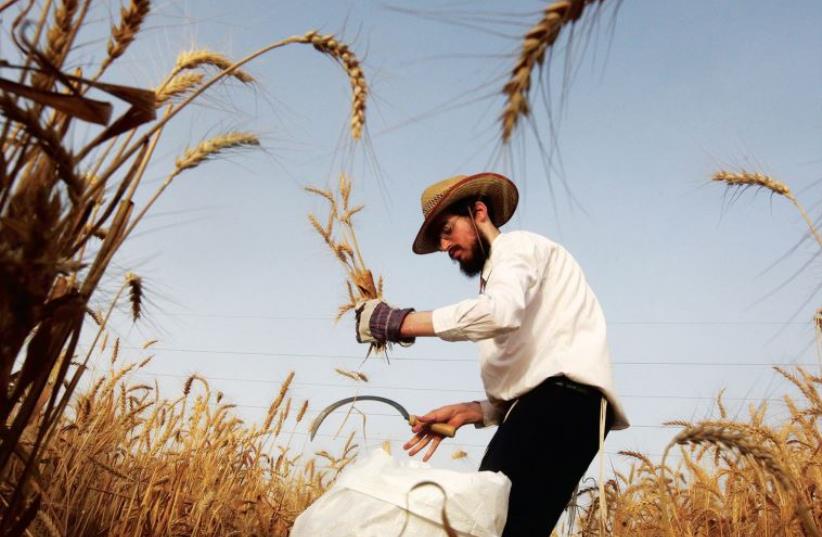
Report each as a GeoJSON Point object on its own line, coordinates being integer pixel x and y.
{"type": "Point", "coordinates": [501, 307]}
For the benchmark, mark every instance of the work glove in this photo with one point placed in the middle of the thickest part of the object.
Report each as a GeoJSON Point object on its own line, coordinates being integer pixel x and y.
{"type": "Point", "coordinates": [379, 323]}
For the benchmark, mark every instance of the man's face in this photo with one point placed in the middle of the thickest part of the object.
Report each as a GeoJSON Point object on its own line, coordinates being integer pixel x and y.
{"type": "Point", "coordinates": [458, 238]}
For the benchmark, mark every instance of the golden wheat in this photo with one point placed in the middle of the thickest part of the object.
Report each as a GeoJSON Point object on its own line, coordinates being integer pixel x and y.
{"type": "Point", "coordinates": [536, 43]}
{"type": "Point", "coordinates": [58, 33]}
{"type": "Point", "coordinates": [750, 179]}
{"type": "Point", "coordinates": [353, 375]}
{"type": "Point", "coordinates": [763, 479]}
{"type": "Point", "coordinates": [193, 59]}
{"type": "Point", "coordinates": [135, 289]}
{"type": "Point", "coordinates": [123, 33]}
{"type": "Point", "coordinates": [194, 472]}
{"type": "Point", "coordinates": [210, 148]}
{"type": "Point", "coordinates": [344, 245]}
{"type": "Point", "coordinates": [328, 44]}
{"type": "Point", "coordinates": [745, 179]}
{"type": "Point", "coordinates": [177, 86]}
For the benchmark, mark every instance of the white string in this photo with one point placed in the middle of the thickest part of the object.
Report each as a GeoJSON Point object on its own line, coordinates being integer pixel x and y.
{"type": "Point", "coordinates": [476, 231]}
{"type": "Point", "coordinates": [603, 508]}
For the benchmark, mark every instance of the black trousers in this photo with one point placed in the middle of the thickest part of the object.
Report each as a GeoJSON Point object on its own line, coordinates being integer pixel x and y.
{"type": "Point", "coordinates": [544, 447]}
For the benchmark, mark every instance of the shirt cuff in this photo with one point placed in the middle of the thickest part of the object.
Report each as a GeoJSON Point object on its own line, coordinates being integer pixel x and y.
{"type": "Point", "coordinates": [491, 414]}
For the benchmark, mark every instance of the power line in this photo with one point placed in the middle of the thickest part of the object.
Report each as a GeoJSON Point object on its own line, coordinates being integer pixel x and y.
{"type": "Point", "coordinates": [613, 323]}
{"type": "Point", "coordinates": [402, 441]}
{"type": "Point", "coordinates": [483, 446]}
{"type": "Point", "coordinates": [431, 388]}
{"type": "Point", "coordinates": [475, 360]}
{"type": "Point", "coordinates": [359, 412]}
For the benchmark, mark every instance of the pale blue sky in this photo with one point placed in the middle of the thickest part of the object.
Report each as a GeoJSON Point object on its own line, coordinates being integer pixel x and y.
{"type": "Point", "coordinates": [242, 291]}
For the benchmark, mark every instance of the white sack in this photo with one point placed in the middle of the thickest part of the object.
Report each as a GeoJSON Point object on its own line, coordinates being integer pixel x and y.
{"type": "Point", "coordinates": [369, 500]}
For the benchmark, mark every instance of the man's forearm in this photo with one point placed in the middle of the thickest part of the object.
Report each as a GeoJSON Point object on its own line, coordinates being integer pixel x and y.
{"type": "Point", "coordinates": [417, 324]}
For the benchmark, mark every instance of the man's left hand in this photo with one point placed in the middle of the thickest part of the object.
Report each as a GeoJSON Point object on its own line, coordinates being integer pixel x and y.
{"type": "Point", "coordinates": [455, 415]}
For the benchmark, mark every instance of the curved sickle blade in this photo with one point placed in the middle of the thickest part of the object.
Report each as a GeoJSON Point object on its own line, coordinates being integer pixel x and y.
{"type": "Point", "coordinates": [342, 402]}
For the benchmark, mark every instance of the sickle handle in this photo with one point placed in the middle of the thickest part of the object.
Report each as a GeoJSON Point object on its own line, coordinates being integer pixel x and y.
{"type": "Point", "coordinates": [440, 428]}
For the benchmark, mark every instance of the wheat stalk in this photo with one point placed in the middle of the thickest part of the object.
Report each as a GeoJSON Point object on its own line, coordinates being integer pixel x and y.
{"type": "Point", "coordinates": [536, 42]}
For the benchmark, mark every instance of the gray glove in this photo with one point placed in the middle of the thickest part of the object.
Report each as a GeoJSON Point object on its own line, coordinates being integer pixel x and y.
{"type": "Point", "coordinates": [377, 322]}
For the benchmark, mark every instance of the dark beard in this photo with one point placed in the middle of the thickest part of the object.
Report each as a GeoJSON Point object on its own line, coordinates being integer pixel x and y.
{"type": "Point", "coordinates": [479, 254]}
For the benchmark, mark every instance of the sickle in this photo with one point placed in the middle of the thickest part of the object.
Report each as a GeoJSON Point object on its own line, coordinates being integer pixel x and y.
{"type": "Point", "coordinates": [439, 428]}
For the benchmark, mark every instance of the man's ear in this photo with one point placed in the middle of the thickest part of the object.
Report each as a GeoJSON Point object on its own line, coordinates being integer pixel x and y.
{"type": "Point", "coordinates": [480, 211]}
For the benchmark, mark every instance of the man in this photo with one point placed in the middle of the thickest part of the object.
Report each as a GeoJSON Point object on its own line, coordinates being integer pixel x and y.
{"type": "Point", "coordinates": [543, 349]}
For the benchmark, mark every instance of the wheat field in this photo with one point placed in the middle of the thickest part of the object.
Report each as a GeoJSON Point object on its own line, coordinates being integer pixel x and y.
{"type": "Point", "coordinates": [108, 455]}
{"type": "Point", "coordinates": [126, 460]}
{"type": "Point", "coordinates": [129, 460]}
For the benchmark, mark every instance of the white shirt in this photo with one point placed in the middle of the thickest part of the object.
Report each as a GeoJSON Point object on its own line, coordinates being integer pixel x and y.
{"type": "Point", "coordinates": [535, 318]}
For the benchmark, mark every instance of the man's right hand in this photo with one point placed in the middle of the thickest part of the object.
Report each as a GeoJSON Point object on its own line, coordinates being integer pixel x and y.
{"type": "Point", "coordinates": [454, 415]}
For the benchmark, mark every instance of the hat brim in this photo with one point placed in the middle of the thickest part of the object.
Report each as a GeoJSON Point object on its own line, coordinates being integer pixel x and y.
{"type": "Point", "coordinates": [500, 191]}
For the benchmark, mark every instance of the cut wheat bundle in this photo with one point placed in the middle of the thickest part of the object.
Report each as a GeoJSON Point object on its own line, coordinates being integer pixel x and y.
{"type": "Point", "coordinates": [343, 244]}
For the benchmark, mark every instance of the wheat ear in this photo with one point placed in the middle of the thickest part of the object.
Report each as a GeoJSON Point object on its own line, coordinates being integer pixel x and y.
{"type": "Point", "coordinates": [57, 35]}
{"type": "Point", "coordinates": [210, 148]}
{"type": "Point", "coordinates": [175, 86]}
{"type": "Point", "coordinates": [310, 37]}
{"type": "Point", "coordinates": [135, 295]}
{"type": "Point", "coordinates": [193, 59]}
{"type": "Point", "coordinates": [535, 44]}
{"type": "Point", "coordinates": [745, 179]}
{"type": "Point", "coordinates": [57, 38]}
{"type": "Point", "coordinates": [750, 179]}
{"type": "Point", "coordinates": [192, 158]}
{"type": "Point", "coordinates": [327, 44]}
{"type": "Point", "coordinates": [122, 34]}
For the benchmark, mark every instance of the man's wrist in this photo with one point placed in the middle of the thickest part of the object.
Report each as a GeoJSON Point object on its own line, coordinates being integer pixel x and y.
{"type": "Point", "coordinates": [417, 324]}
{"type": "Point", "coordinates": [490, 414]}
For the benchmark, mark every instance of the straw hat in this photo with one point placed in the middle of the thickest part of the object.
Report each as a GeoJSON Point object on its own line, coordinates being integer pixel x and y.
{"type": "Point", "coordinates": [500, 191]}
